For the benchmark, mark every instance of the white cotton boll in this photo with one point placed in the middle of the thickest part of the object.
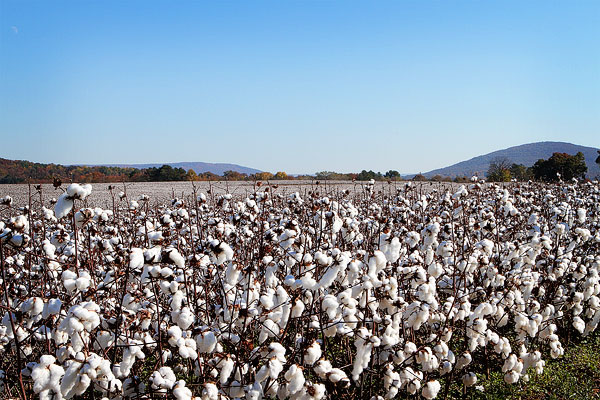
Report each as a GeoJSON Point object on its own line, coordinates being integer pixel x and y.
{"type": "Point", "coordinates": [578, 324]}
{"type": "Point", "coordinates": [63, 206]}
{"type": "Point", "coordinates": [295, 378]}
{"type": "Point", "coordinates": [82, 283]}
{"type": "Point", "coordinates": [330, 305]}
{"type": "Point", "coordinates": [164, 378]}
{"type": "Point", "coordinates": [136, 258]}
{"type": "Point", "coordinates": [336, 375]}
{"type": "Point", "coordinates": [226, 368]}
{"type": "Point", "coordinates": [464, 360]}
{"type": "Point", "coordinates": [511, 377]}
{"type": "Point", "coordinates": [312, 354]}
{"type": "Point", "coordinates": [315, 391]}
{"type": "Point", "coordinates": [210, 392]}
{"type": "Point", "coordinates": [322, 368]}
{"type": "Point", "coordinates": [275, 367]}
{"type": "Point", "coordinates": [33, 306]}
{"type": "Point", "coordinates": [49, 249]}
{"type": "Point", "coordinates": [181, 392]}
{"type": "Point", "coordinates": [581, 215]}
{"type": "Point", "coordinates": [431, 389]}
{"type": "Point", "coordinates": [175, 334]}
{"type": "Point", "coordinates": [176, 258]}
{"type": "Point", "coordinates": [206, 341]}
{"type": "Point", "coordinates": [269, 329]}
{"type": "Point", "coordinates": [297, 309]}
{"type": "Point", "coordinates": [177, 301]}
{"type": "Point", "coordinates": [469, 379]}
{"type": "Point", "coordinates": [510, 363]}
{"type": "Point", "coordinates": [187, 348]}
{"type": "Point", "coordinates": [184, 318]}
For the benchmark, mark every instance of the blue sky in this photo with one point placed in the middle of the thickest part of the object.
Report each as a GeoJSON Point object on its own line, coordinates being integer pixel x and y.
{"type": "Point", "coordinates": [299, 86]}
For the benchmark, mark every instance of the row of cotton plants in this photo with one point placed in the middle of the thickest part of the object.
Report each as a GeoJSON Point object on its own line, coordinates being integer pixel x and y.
{"type": "Point", "coordinates": [375, 293]}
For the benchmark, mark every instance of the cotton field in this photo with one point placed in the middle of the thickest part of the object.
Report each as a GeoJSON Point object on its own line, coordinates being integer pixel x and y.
{"type": "Point", "coordinates": [370, 292]}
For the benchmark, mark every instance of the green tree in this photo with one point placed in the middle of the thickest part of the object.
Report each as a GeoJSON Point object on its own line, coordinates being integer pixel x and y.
{"type": "Point", "coordinates": [499, 170]}
{"type": "Point", "coordinates": [368, 175]}
{"type": "Point", "coordinates": [521, 172]}
{"type": "Point", "coordinates": [560, 166]}
{"type": "Point", "coordinates": [392, 174]}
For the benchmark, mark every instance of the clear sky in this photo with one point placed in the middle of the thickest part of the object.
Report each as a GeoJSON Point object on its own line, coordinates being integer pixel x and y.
{"type": "Point", "coordinates": [298, 86]}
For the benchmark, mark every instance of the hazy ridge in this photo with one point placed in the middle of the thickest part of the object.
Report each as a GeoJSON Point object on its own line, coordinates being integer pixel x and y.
{"type": "Point", "coordinates": [526, 154]}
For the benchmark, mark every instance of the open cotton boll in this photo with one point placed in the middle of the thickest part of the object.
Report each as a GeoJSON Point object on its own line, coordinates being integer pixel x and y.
{"type": "Point", "coordinates": [63, 206]}
{"type": "Point", "coordinates": [181, 392]}
{"type": "Point", "coordinates": [294, 378]}
{"type": "Point", "coordinates": [206, 342]}
{"type": "Point", "coordinates": [46, 377]}
{"type": "Point", "coordinates": [226, 365]}
{"type": "Point", "coordinates": [431, 389]}
{"type": "Point", "coordinates": [312, 354]}
{"type": "Point", "coordinates": [469, 379]}
{"type": "Point", "coordinates": [578, 324]}
{"type": "Point", "coordinates": [79, 191]}
{"type": "Point", "coordinates": [176, 257]}
{"type": "Point", "coordinates": [210, 391]}
{"type": "Point", "coordinates": [136, 258]}
{"type": "Point", "coordinates": [268, 329]}
{"type": "Point", "coordinates": [164, 378]}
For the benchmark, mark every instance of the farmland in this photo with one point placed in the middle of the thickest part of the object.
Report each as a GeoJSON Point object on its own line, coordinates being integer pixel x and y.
{"type": "Point", "coordinates": [297, 290]}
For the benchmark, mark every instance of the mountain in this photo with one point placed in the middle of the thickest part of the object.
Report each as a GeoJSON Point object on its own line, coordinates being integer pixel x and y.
{"type": "Point", "coordinates": [526, 154]}
{"type": "Point", "coordinates": [198, 167]}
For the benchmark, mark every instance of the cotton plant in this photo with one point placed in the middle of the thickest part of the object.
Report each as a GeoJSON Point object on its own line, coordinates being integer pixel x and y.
{"type": "Point", "coordinates": [296, 295]}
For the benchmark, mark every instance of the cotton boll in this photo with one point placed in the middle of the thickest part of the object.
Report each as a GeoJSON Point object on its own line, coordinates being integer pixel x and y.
{"type": "Point", "coordinates": [210, 391]}
{"type": "Point", "coordinates": [322, 368]}
{"type": "Point", "coordinates": [431, 389]}
{"type": "Point", "coordinates": [63, 206]}
{"type": "Point", "coordinates": [164, 378]}
{"type": "Point", "coordinates": [578, 324]}
{"type": "Point", "coordinates": [176, 258]}
{"type": "Point", "coordinates": [511, 377]}
{"type": "Point", "coordinates": [181, 392]}
{"type": "Point", "coordinates": [297, 309]}
{"type": "Point", "coordinates": [226, 368]}
{"type": "Point", "coordinates": [136, 259]}
{"type": "Point", "coordinates": [294, 378]}
{"type": "Point", "coordinates": [469, 379]}
{"type": "Point", "coordinates": [206, 341]}
{"type": "Point", "coordinates": [312, 354]}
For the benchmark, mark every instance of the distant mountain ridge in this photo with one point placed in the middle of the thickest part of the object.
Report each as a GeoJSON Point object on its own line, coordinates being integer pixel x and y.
{"type": "Point", "coordinates": [198, 167]}
{"type": "Point", "coordinates": [526, 154]}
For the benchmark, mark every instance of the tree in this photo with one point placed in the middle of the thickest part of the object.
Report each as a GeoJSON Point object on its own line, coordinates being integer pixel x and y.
{"type": "Point", "coordinates": [560, 166]}
{"type": "Point", "coordinates": [368, 175]}
{"type": "Point", "coordinates": [230, 175]}
{"type": "Point", "coordinates": [520, 172]}
{"type": "Point", "coordinates": [280, 175]}
{"type": "Point", "coordinates": [499, 170]}
{"type": "Point", "coordinates": [191, 175]}
{"type": "Point", "coordinates": [392, 174]}
{"type": "Point", "coordinates": [262, 176]}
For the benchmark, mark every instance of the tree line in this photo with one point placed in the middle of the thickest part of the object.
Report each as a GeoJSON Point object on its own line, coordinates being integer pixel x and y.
{"type": "Point", "coordinates": [560, 166]}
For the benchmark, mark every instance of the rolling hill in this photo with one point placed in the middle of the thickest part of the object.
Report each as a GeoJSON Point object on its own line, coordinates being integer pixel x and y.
{"type": "Point", "coordinates": [526, 154]}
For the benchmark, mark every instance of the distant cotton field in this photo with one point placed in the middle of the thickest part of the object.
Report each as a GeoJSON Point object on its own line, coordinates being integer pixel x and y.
{"type": "Point", "coordinates": [310, 291]}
